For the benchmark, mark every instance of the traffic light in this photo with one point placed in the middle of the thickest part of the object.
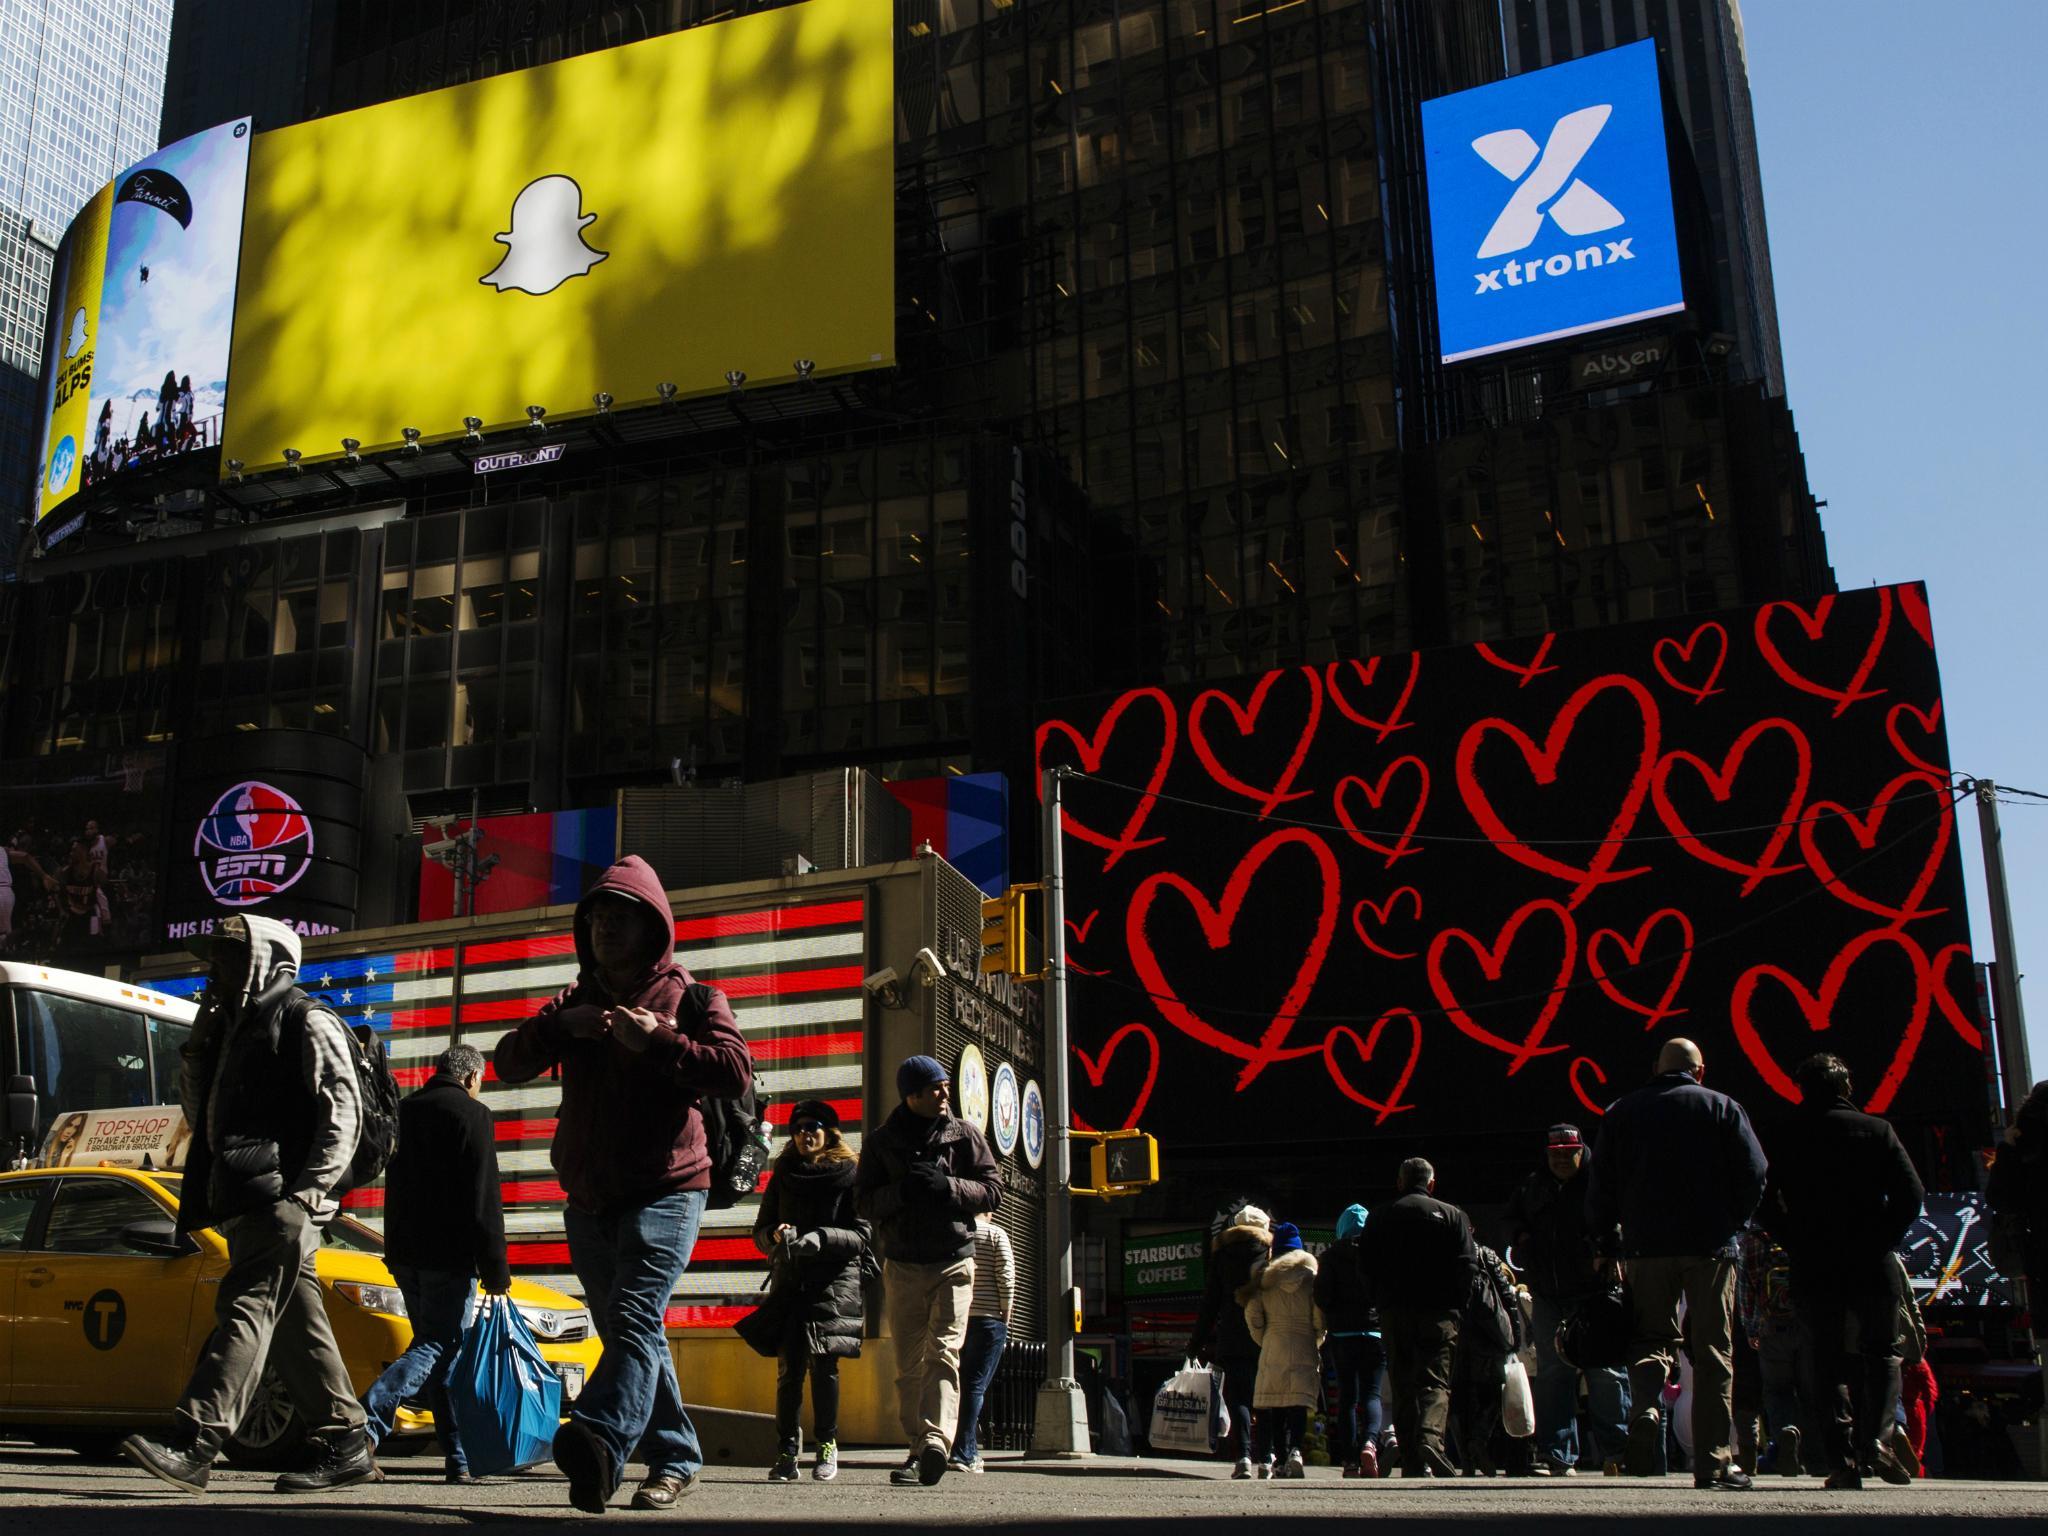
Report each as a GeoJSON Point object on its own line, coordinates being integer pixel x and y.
{"type": "Point", "coordinates": [1119, 1162]}
{"type": "Point", "coordinates": [1004, 933]}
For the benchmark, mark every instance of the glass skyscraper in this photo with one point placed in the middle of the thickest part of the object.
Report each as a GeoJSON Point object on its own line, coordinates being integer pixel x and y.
{"type": "Point", "coordinates": [81, 92]}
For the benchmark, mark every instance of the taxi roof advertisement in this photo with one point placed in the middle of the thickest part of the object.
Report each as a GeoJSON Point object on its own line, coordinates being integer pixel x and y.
{"type": "Point", "coordinates": [670, 211]}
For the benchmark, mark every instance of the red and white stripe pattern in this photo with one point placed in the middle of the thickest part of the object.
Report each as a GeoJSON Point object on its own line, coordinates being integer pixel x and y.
{"type": "Point", "coordinates": [792, 975]}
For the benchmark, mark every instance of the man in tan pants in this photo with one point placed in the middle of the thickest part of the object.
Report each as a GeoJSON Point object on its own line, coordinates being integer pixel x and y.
{"type": "Point", "coordinates": [1679, 1169]}
{"type": "Point", "coordinates": [923, 1176]}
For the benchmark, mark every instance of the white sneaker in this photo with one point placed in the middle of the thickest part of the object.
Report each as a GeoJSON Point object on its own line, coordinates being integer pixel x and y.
{"type": "Point", "coordinates": [1242, 1472]}
{"type": "Point", "coordinates": [1266, 1469]}
{"type": "Point", "coordinates": [959, 1464]}
{"type": "Point", "coordinates": [1292, 1467]}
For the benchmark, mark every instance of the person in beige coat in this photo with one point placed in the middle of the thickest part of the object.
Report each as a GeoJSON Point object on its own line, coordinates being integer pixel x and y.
{"type": "Point", "coordinates": [1280, 1310]}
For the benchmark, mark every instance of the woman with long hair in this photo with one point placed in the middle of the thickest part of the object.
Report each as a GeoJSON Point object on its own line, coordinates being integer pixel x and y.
{"type": "Point", "coordinates": [819, 1247]}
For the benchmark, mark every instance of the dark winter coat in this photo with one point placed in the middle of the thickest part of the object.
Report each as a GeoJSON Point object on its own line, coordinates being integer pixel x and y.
{"type": "Point", "coordinates": [913, 1226]}
{"type": "Point", "coordinates": [1841, 1196]}
{"type": "Point", "coordinates": [1341, 1289]}
{"type": "Point", "coordinates": [2018, 1190]}
{"type": "Point", "coordinates": [1220, 1330]}
{"type": "Point", "coordinates": [1492, 1319]}
{"type": "Point", "coordinates": [1677, 1168]}
{"type": "Point", "coordinates": [1422, 1256]}
{"type": "Point", "coordinates": [268, 1085]}
{"type": "Point", "coordinates": [442, 1205]}
{"type": "Point", "coordinates": [1555, 1244]}
{"type": "Point", "coordinates": [818, 1280]}
{"type": "Point", "coordinates": [631, 1128]}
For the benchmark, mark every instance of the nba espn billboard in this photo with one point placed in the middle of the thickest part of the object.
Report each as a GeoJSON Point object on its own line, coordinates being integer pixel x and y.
{"type": "Point", "coordinates": [1550, 211]}
{"type": "Point", "coordinates": [142, 295]}
{"type": "Point", "coordinates": [715, 200]}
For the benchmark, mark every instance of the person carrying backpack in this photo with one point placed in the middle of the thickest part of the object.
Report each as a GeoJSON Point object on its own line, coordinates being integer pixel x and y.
{"type": "Point", "coordinates": [268, 1083]}
{"type": "Point", "coordinates": [640, 1047]}
{"type": "Point", "coordinates": [1489, 1330]}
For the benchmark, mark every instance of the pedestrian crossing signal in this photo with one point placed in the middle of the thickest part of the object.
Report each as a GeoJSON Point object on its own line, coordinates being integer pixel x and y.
{"type": "Point", "coordinates": [1119, 1162]}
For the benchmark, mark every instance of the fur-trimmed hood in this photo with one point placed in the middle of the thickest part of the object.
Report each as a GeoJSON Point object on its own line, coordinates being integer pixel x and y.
{"type": "Point", "coordinates": [1288, 1271]}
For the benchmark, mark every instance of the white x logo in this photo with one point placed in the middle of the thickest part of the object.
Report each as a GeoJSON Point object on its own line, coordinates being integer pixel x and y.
{"type": "Point", "coordinates": [1580, 211]}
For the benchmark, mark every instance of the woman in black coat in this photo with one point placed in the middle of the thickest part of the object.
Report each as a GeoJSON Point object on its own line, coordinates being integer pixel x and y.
{"type": "Point", "coordinates": [818, 1247]}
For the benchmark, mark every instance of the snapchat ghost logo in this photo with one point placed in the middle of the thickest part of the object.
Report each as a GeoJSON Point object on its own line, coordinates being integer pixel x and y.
{"type": "Point", "coordinates": [77, 343]}
{"type": "Point", "coordinates": [544, 247]}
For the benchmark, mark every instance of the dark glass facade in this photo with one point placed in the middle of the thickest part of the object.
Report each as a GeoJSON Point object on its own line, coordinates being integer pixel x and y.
{"type": "Point", "coordinates": [1161, 284]}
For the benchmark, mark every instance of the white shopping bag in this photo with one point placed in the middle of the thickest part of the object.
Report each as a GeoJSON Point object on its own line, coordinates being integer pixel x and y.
{"type": "Point", "coordinates": [1517, 1402]}
{"type": "Point", "coordinates": [1188, 1410]}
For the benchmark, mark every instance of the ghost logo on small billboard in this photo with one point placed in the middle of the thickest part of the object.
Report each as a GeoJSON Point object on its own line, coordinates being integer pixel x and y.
{"type": "Point", "coordinates": [253, 843]}
{"type": "Point", "coordinates": [1581, 234]}
{"type": "Point", "coordinates": [159, 189]}
{"type": "Point", "coordinates": [77, 342]}
{"type": "Point", "coordinates": [545, 247]}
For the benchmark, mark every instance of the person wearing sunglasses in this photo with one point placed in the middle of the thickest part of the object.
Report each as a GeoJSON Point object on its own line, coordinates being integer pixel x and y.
{"type": "Point", "coordinates": [808, 1227]}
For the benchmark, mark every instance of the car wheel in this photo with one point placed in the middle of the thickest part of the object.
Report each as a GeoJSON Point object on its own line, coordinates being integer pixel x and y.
{"type": "Point", "coordinates": [271, 1436]}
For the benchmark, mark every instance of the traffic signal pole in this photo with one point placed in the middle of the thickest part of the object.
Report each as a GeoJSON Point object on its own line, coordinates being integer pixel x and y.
{"type": "Point", "coordinates": [2010, 1019]}
{"type": "Point", "coordinates": [1061, 1426]}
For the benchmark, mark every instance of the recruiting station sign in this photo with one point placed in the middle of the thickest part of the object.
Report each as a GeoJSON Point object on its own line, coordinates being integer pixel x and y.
{"type": "Point", "coordinates": [1477, 887]}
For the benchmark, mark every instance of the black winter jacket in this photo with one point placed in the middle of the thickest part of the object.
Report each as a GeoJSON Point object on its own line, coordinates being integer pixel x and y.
{"type": "Point", "coordinates": [1422, 1257]}
{"type": "Point", "coordinates": [1220, 1329]}
{"type": "Point", "coordinates": [1555, 1245]}
{"type": "Point", "coordinates": [1678, 1168]}
{"type": "Point", "coordinates": [1842, 1194]}
{"type": "Point", "coordinates": [914, 1223]}
{"type": "Point", "coordinates": [442, 1207]}
{"type": "Point", "coordinates": [821, 1271]}
{"type": "Point", "coordinates": [1341, 1288]}
{"type": "Point", "coordinates": [2019, 1189]}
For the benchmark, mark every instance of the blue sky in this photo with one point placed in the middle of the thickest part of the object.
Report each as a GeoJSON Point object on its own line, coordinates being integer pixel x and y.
{"type": "Point", "coordinates": [1901, 145]}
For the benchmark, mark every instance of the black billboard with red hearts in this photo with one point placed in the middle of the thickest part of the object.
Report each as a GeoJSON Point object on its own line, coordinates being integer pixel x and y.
{"type": "Point", "coordinates": [1474, 888]}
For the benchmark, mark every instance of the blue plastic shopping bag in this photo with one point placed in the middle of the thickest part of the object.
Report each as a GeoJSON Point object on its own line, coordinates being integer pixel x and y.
{"type": "Point", "coordinates": [507, 1398]}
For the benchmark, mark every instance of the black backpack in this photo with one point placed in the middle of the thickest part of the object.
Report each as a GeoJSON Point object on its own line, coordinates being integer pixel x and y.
{"type": "Point", "coordinates": [1598, 1333]}
{"type": "Point", "coordinates": [377, 1135]}
{"type": "Point", "coordinates": [1486, 1321]}
{"type": "Point", "coordinates": [735, 1129]}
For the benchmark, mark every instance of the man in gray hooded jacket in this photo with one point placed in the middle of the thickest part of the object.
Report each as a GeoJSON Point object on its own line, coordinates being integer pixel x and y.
{"type": "Point", "coordinates": [268, 1085]}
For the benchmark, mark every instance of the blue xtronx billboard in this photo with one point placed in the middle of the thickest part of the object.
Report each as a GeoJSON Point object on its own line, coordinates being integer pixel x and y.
{"type": "Point", "coordinates": [1550, 204]}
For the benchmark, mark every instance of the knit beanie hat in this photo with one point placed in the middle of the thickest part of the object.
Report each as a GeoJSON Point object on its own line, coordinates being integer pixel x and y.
{"type": "Point", "coordinates": [918, 1072]}
{"type": "Point", "coordinates": [1286, 1238]}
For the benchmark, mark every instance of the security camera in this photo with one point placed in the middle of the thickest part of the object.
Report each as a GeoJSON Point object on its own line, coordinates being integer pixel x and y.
{"type": "Point", "coordinates": [883, 986]}
{"type": "Point", "coordinates": [927, 963]}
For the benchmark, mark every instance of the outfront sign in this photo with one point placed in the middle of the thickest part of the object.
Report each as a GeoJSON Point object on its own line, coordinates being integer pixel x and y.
{"type": "Point", "coordinates": [1550, 204]}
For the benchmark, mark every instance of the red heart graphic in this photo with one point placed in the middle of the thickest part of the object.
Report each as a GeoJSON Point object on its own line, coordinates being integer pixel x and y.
{"type": "Point", "coordinates": [1913, 604]}
{"type": "Point", "coordinates": [1864, 829]}
{"type": "Point", "coordinates": [1633, 951]}
{"type": "Point", "coordinates": [1600, 870]}
{"type": "Point", "coordinates": [1964, 1023]}
{"type": "Point", "coordinates": [1367, 671]}
{"type": "Point", "coordinates": [1814, 624]}
{"type": "Point", "coordinates": [1098, 1068]}
{"type": "Point", "coordinates": [1383, 1109]}
{"type": "Point", "coordinates": [1080, 930]}
{"type": "Point", "coordinates": [1579, 1089]}
{"type": "Point", "coordinates": [1381, 910]}
{"type": "Point", "coordinates": [1090, 751]}
{"type": "Point", "coordinates": [1528, 674]}
{"type": "Point", "coordinates": [1217, 922]}
{"type": "Point", "coordinates": [1492, 962]}
{"type": "Point", "coordinates": [1819, 1011]}
{"type": "Point", "coordinates": [1375, 793]}
{"type": "Point", "coordinates": [1721, 783]}
{"type": "Point", "coordinates": [1684, 650]}
{"type": "Point", "coordinates": [1246, 718]}
{"type": "Point", "coordinates": [1930, 722]}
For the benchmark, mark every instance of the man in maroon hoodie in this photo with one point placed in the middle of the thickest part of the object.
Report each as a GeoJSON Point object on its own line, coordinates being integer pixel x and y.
{"type": "Point", "coordinates": [636, 1049]}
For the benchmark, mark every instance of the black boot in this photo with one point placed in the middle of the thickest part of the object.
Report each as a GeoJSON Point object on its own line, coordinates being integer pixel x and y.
{"type": "Point", "coordinates": [338, 1461]}
{"type": "Point", "coordinates": [184, 1465]}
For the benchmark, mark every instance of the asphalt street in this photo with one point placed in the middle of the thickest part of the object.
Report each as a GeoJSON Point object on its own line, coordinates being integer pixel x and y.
{"type": "Point", "coordinates": [54, 1493]}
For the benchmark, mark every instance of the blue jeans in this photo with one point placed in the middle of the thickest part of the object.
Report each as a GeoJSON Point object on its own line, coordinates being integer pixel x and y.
{"type": "Point", "coordinates": [1556, 1393]}
{"type": "Point", "coordinates": [628, 1263]}
{"type": "Point", "coordinates": [437, 1303]}
{"type": "Point", "coordinates": [980, 1353]}
{"type": "Point", "coordinates": [1358, 1360]}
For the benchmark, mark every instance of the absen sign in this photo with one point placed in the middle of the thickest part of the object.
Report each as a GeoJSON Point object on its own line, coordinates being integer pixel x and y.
{"type": "Point", "coordinates": [1550, 204]}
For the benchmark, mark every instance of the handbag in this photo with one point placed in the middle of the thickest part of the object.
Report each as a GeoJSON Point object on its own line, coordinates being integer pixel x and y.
{"type": "Point", "coordinates": [1517, 1402]}
{"type": "Point", "coordinates": [506, 1398]}
{"type": "Point", "coordinates": [1188, 1413]}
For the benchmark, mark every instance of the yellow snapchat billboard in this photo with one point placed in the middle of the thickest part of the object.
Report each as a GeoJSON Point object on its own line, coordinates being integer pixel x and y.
{"type": "Point", "coordinates": [662, 213]}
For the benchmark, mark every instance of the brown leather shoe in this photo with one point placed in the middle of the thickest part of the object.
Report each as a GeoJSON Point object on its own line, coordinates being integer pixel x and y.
{"type": "Point", "coordinates": [661, 1490]}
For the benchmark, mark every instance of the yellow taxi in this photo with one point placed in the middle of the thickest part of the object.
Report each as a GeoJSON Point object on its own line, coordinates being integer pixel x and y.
{"type": "Point", "coordinates": [104, 1307]}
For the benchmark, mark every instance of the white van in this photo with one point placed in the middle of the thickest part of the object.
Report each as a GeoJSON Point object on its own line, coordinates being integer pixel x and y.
{"type": "Point", "coordinates": [69, 1042]}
